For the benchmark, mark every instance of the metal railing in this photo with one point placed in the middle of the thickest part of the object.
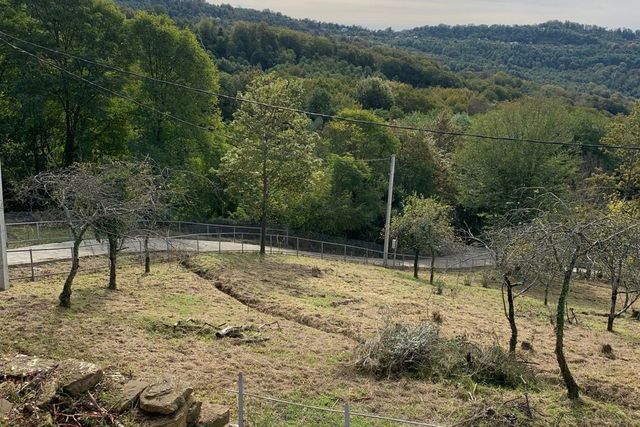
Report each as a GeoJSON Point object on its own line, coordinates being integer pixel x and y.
{"type": "Point", "coordinates": [209, 238]}
{"type": "Point", "coordinates": [346, 411]}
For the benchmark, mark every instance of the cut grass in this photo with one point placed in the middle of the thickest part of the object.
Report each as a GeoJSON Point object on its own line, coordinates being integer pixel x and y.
{"type": "Point", "coordinates": [310, 358]}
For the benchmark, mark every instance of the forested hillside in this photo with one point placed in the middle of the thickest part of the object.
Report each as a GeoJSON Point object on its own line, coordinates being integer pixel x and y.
{"type": "Point", "coordinates": [147, 83]}
{"type": "Point", "coordinates": [599, 63]}
{"type": "Point", "coordinates": [568, 54]}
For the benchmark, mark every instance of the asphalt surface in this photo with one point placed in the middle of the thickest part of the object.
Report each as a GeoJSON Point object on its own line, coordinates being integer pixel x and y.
{"type": "Point", "coordinates": [471, 258]}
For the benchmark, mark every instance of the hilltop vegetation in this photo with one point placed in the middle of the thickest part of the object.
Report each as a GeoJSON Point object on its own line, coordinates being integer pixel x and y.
{"type": "Point", "coordinates": [600, 62]}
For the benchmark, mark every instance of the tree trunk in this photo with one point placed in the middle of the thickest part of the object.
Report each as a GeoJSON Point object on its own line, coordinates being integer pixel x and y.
{"type": "Point", "coordinates": [113, 255]}
{"type": "Point", "coordinates": [433, 263]}
{"type": "Point", "coordinates": [572, 387]}
{"type": "Point", "coordinates": [511, 316]}
{"type": "Point", "coordinates": [147, 256]}
{"type": "Point", "coordinates": [70, 141]}
{"type": "Point", "coordinates": [264, 210]}
{"type": "Point", "coordinates": [415, 264]}
{"type": "Point", "coordinates": [65, 296]}
{"type": "Point", "coordinates": [614, 302]}
{"type": "Point", "coordinates": [546, 294]}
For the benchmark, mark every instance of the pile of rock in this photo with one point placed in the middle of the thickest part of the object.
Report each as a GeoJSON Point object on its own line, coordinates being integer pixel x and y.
{"type": "Point", "coordinates": [30, 385]}
{"type": "Point", "coordinates": [170, 403]}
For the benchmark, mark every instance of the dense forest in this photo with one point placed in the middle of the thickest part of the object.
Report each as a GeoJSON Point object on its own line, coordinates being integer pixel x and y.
{"type": "Point", "coordinates": [143, 82]}
{"type": "Point", "coordinates": [600, 64]}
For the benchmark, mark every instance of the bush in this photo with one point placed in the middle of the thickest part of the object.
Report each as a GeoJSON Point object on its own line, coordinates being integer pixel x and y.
{"type": "Point", "coordinates": [399, 349]}
{"type": "Point", "coordinates": [421, 352]}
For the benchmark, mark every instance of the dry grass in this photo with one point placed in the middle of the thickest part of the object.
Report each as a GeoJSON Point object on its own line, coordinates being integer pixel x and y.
{"type": "Point", "coordinates": [309, 358]}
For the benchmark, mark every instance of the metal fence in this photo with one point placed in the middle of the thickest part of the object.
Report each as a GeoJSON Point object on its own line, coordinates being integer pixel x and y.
{"type": "Point", "coordinates": [346, 413]}
{"type": "Point", "coordinates": [47, 242]}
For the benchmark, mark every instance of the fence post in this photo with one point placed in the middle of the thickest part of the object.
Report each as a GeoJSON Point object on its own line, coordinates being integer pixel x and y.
{"type": "Point", "coordinates": [168, 248]}
{"type": "Point", "coordinates": [321, 250]}
{"type": "Point", "coordinates": [345, 252]}
{"type": "Point", "coordinates": [366, 257]}
{"type": "Point", "coordinates": [297, 246]}
{"type": "Point", "coordinates": [219, 243]}
{"type": "Point", "coordinates": [197, 243]}
{"type": "Point", "coordinates": [240, 400]}
{"type": "Point", "coordinates": [270, 243]}
{"type": "Point", "coordinates": [234, 234]}
{"type": "Point", "coordinates": [33, 276]}
{"type": "Point", "coordinates": [347, 415]}
{"type": "Point", "coordinates": [38, 230]}
{"type": "Point", "coordinates": [241, 244]}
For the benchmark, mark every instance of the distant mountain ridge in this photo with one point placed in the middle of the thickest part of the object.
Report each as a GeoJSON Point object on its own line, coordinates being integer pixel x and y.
{"type": "Point", "coordinates": [580, 57]}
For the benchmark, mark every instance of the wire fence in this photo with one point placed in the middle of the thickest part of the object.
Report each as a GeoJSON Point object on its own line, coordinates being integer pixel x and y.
{"type": "Point", "coordinates": [346, 413]}
{"type": "Point", "coordinates": [48, 245]}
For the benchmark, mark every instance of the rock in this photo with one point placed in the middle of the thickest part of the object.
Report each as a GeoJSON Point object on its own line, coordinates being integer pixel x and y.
{"type": "Point", "coordinates": [177, 419]}
{"type": "Point", "coordinates": [165, 397]}
{"type": "Point", "coordinates": [5, 408]}
{"type": "Point", "coordinates": [316, 272]}
{"type": "Point", "coordinates": [25, 366]}
{"type": "Point", "coordinates": [127, 395]}
{"type": "Point", "coordinates": [48, 390]}
{"type": "Point", "coordinates": [77, 377]}
{"type": "Point", "coordinates": [194, 413]}
{"type": "Point", "coordinates": [214, 415]}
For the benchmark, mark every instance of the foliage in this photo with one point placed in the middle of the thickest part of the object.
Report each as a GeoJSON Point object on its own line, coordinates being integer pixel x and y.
{"type": "Point", "coordinates": [272, 155]}
{"type": "Point", "coordinates": [625, 131]}
{"type": "Point", "coordinates": [374, 94]}
{"type": "Point", "coordinates": [423, 226]}
{"type": "Point", "coordinates": [499, 176]}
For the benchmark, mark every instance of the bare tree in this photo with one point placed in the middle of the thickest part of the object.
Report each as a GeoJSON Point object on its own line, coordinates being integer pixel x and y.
{"type": "Point", "coordinates": [570, 233]}
{"type": "Point", "coordinates": [136, 198]}
{"type": "Point", "coordinates": [76, 192]}
{"type": "Point", "coordinates": [517, 262]}
{"type": "Point", "coordinates": [109, 199]}
{"type": "Point", "coordinates": [617, 258]}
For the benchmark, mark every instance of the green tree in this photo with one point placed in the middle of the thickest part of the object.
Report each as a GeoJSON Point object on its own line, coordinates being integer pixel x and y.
{"type": "Point", "coordinates": [498, 176]}
{"type": "Point", "coordinates": [425, 225]}
{"type": "Point", "coordinates": [160, 50]}
{"type": "Point", "coordinates": [374, 93]}
{"type": "Point", "coordinates": [624, 131]}
{"type": "Point", "coordinates": [84, 116]}
{"type": "Point", "coordinates": [273, 152]}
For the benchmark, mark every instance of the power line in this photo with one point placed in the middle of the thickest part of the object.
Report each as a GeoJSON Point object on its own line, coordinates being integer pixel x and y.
{"type": "Point", "coordinates": [311, 113]}
{"type": "Point", "coordinates": [104, 89]}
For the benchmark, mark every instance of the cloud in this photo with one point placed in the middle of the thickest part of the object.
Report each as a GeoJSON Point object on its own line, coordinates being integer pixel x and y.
{"type": "Point", "coordinates": [401, 14]}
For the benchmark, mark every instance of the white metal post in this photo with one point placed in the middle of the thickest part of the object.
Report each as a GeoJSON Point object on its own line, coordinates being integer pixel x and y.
{"type": "Point", "coordinates": [347, 415]}
{"type": "Point", "coordinates": [387, 225]}
{"type": "Point", "coordinates": [4, 274]}
{"type": "Point", "coordinates": [240, 400]}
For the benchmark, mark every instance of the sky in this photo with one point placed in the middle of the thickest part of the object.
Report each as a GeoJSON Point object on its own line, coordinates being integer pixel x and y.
{"type": "Point", "coordinates": [402, 14]}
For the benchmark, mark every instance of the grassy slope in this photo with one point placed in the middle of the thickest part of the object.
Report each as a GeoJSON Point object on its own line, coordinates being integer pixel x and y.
{"type": "Point", "coordinates": [308, 358]}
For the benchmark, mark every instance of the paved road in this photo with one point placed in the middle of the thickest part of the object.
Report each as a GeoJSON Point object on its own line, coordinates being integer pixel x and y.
{"type": "Point", "coordinates": [61, 251]}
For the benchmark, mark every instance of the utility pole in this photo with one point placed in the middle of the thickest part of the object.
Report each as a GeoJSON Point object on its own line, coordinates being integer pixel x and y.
{"type": "Point", "coordinates": [4, 274]}
{"type": "Point", "coordinates": [387, 225]}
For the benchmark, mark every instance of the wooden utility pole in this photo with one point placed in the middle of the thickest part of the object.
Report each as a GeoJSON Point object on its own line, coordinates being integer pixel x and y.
{"type": "Point", "coordinates": [4, 267]}
{"type": "Point", "coordinates": [387, 225]}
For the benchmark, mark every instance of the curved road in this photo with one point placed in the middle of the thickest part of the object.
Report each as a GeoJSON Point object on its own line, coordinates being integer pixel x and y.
{"type": "Point", "coordinates": [473, 257]}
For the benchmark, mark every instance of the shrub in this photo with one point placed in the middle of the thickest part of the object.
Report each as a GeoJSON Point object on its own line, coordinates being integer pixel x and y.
{"type": "Point", "coordinates": [399, 349]}
{"type": "Point", "coordinates": [420, 351]}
